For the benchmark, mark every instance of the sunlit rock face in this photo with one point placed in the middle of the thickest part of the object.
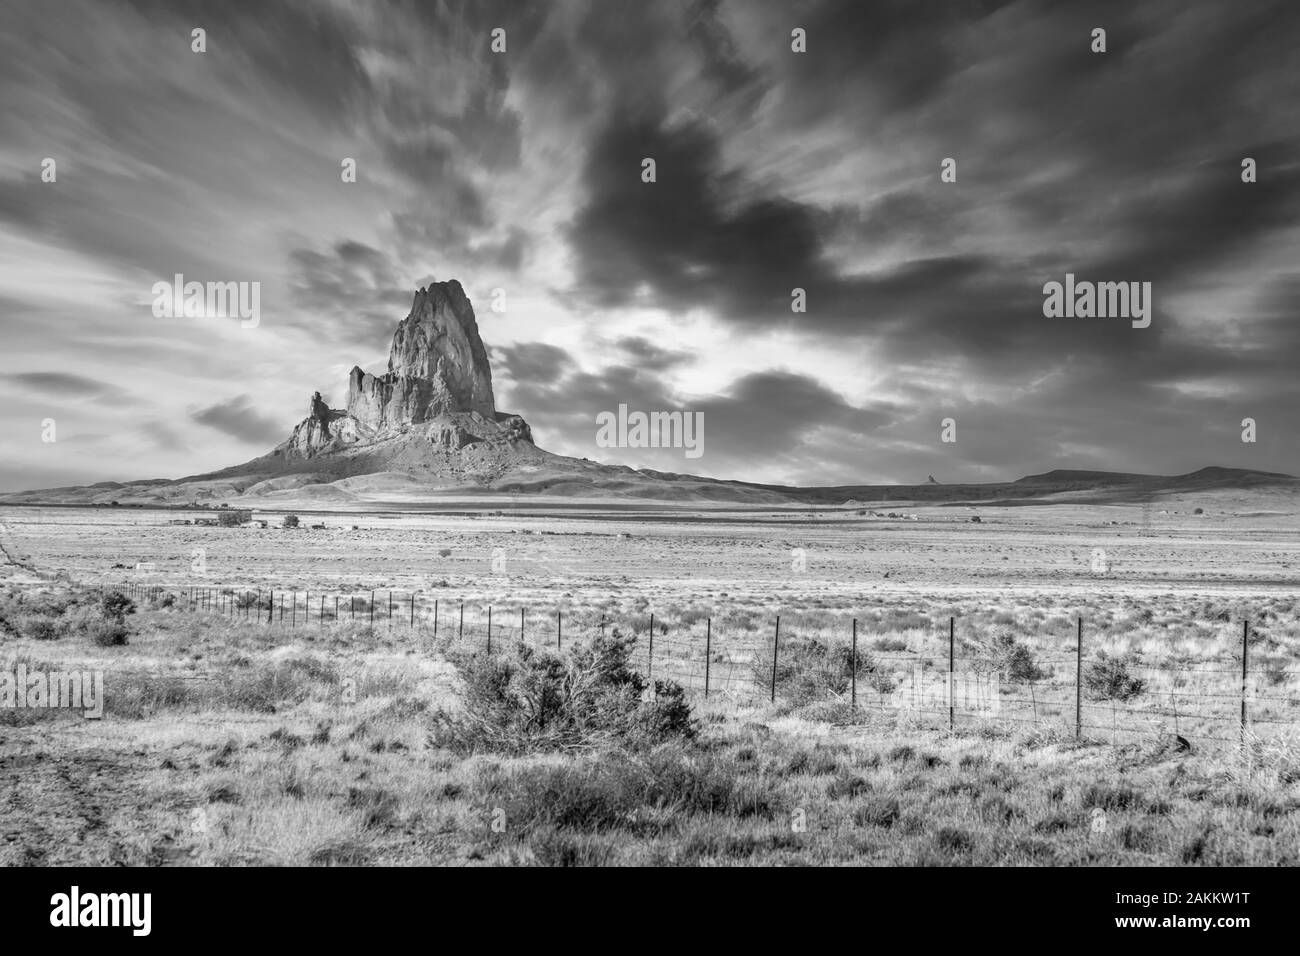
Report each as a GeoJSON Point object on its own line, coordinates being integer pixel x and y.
{"type": "Point", "coordinates": [437, 390]}
{"type": "Point", "coordinates": [437, 365]}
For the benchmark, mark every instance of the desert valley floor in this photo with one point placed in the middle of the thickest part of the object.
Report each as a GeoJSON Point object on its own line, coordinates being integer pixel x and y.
{"type": "Point", "coordinates": [237, 731]}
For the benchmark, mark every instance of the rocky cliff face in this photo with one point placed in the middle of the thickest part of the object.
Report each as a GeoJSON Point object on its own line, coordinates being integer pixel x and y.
{"type": "Point", "coordinates": [437, 390]}
{"type": "Point", "coordinates": [437, 365]}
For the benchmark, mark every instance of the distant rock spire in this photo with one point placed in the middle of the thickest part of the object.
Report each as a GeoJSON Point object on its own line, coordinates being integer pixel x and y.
{"type": "Point", "coordinates": [437, 365]}
{"type": "Point", "coordinates": [437, 392]}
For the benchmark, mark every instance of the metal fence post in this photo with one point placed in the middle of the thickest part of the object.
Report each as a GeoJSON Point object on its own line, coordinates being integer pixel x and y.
{"type": "Point", "coordinates": [853, 668]}
{"type": "Point", "coordinates": [1078, 682]}
{"type": "Point", "coordinates": [489, 646]}
{"type": "Point", "coordinates": [461, 630]}
{"type": "Point", "coordinates": [650, 667]}
{"type": "Point", "coordinates": [776, 646]}
{"type": "Point", "coordinates": [412, 609]}
{"type": "Point", "coordinates": [952, 680]}
{"type": "Point", "coordinates": [708, 651]}
{"type": "Point", "coordinates": [521, 625]}
{"type": "Point", "coordinates": [435, 619]}
{"type": "Point", "coordinates": [559, 630]}
{"type": "Point", "coordinates": [390, 610]}
{"type": "Point", "coordinates": [1245, 645]}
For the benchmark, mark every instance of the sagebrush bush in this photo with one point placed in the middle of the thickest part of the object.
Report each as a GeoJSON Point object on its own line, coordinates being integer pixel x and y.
{"type": "Point", "coordinates": [108, 633]}
{"type": "Point", "coordinates": [532, 699]}
{"type": "Point", "coordinates": [115, 606]}
{"type": "Point", "coordinates": [645, 792]}
{"type": "Point", "coordinates": [40, 628]}
{"type": "Point", "coordinates": [809, 670]}
{"type": "Point", "coordinates": [47, 604]}
{"type": "Point", "coordinates": [285, 682]}
{"type": "Point", "coordinates": [1109, 678]}
{"type": "Point", "coordinates": [1014, 661]}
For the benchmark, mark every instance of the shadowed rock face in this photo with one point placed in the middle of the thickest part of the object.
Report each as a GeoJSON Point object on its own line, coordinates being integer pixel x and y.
{"type": "Point", "coordinates": [437, 391]}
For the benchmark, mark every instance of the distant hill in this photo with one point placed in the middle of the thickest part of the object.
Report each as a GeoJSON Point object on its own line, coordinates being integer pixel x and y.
{"type": "Point", "coordinates": [574, 478]}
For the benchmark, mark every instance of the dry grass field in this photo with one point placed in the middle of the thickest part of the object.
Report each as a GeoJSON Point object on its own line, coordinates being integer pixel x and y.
{"type": "Point", "coordinates": [228, 740]}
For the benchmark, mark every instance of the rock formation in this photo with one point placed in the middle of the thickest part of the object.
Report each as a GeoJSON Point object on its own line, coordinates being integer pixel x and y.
{"type": "Point", "coordinates": [437, 391]}
{"type": "Point", "coordinates": [437, 365]}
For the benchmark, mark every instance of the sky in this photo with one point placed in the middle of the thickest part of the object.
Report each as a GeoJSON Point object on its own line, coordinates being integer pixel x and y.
{"type": "Point", "coordinates": [521, 172]}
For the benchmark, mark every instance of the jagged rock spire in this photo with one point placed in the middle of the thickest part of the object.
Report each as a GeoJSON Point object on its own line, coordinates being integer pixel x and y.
{"type": "Point", "coordinates": [437, 365]}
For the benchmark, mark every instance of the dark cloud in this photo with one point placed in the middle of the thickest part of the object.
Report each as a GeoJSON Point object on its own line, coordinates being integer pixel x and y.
{"type": "Point", "coordinates": [534, 363]}
{"type": "Point", "coordinates": [162, 436]}
{"type": "Point", "coordinates": [354, 285]}
{"type": "Point", "coordinates": [699, 236]}
{"type": "Point", "coordinates": [295, 47]}
{"type": "Point", "coordinates": [238, 418]}
{"type": "Point", "coordinates": [67, 385]}
{"type": "Point", "coordinates": [652, 357]}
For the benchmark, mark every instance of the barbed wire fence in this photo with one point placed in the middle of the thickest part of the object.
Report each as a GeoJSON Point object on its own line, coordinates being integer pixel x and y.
{"type": "Point", "coordinates": [1070, 687]}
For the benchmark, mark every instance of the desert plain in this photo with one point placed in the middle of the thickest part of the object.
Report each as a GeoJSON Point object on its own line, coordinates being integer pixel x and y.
{"type": "Point", "coordinates": [236, 731]}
